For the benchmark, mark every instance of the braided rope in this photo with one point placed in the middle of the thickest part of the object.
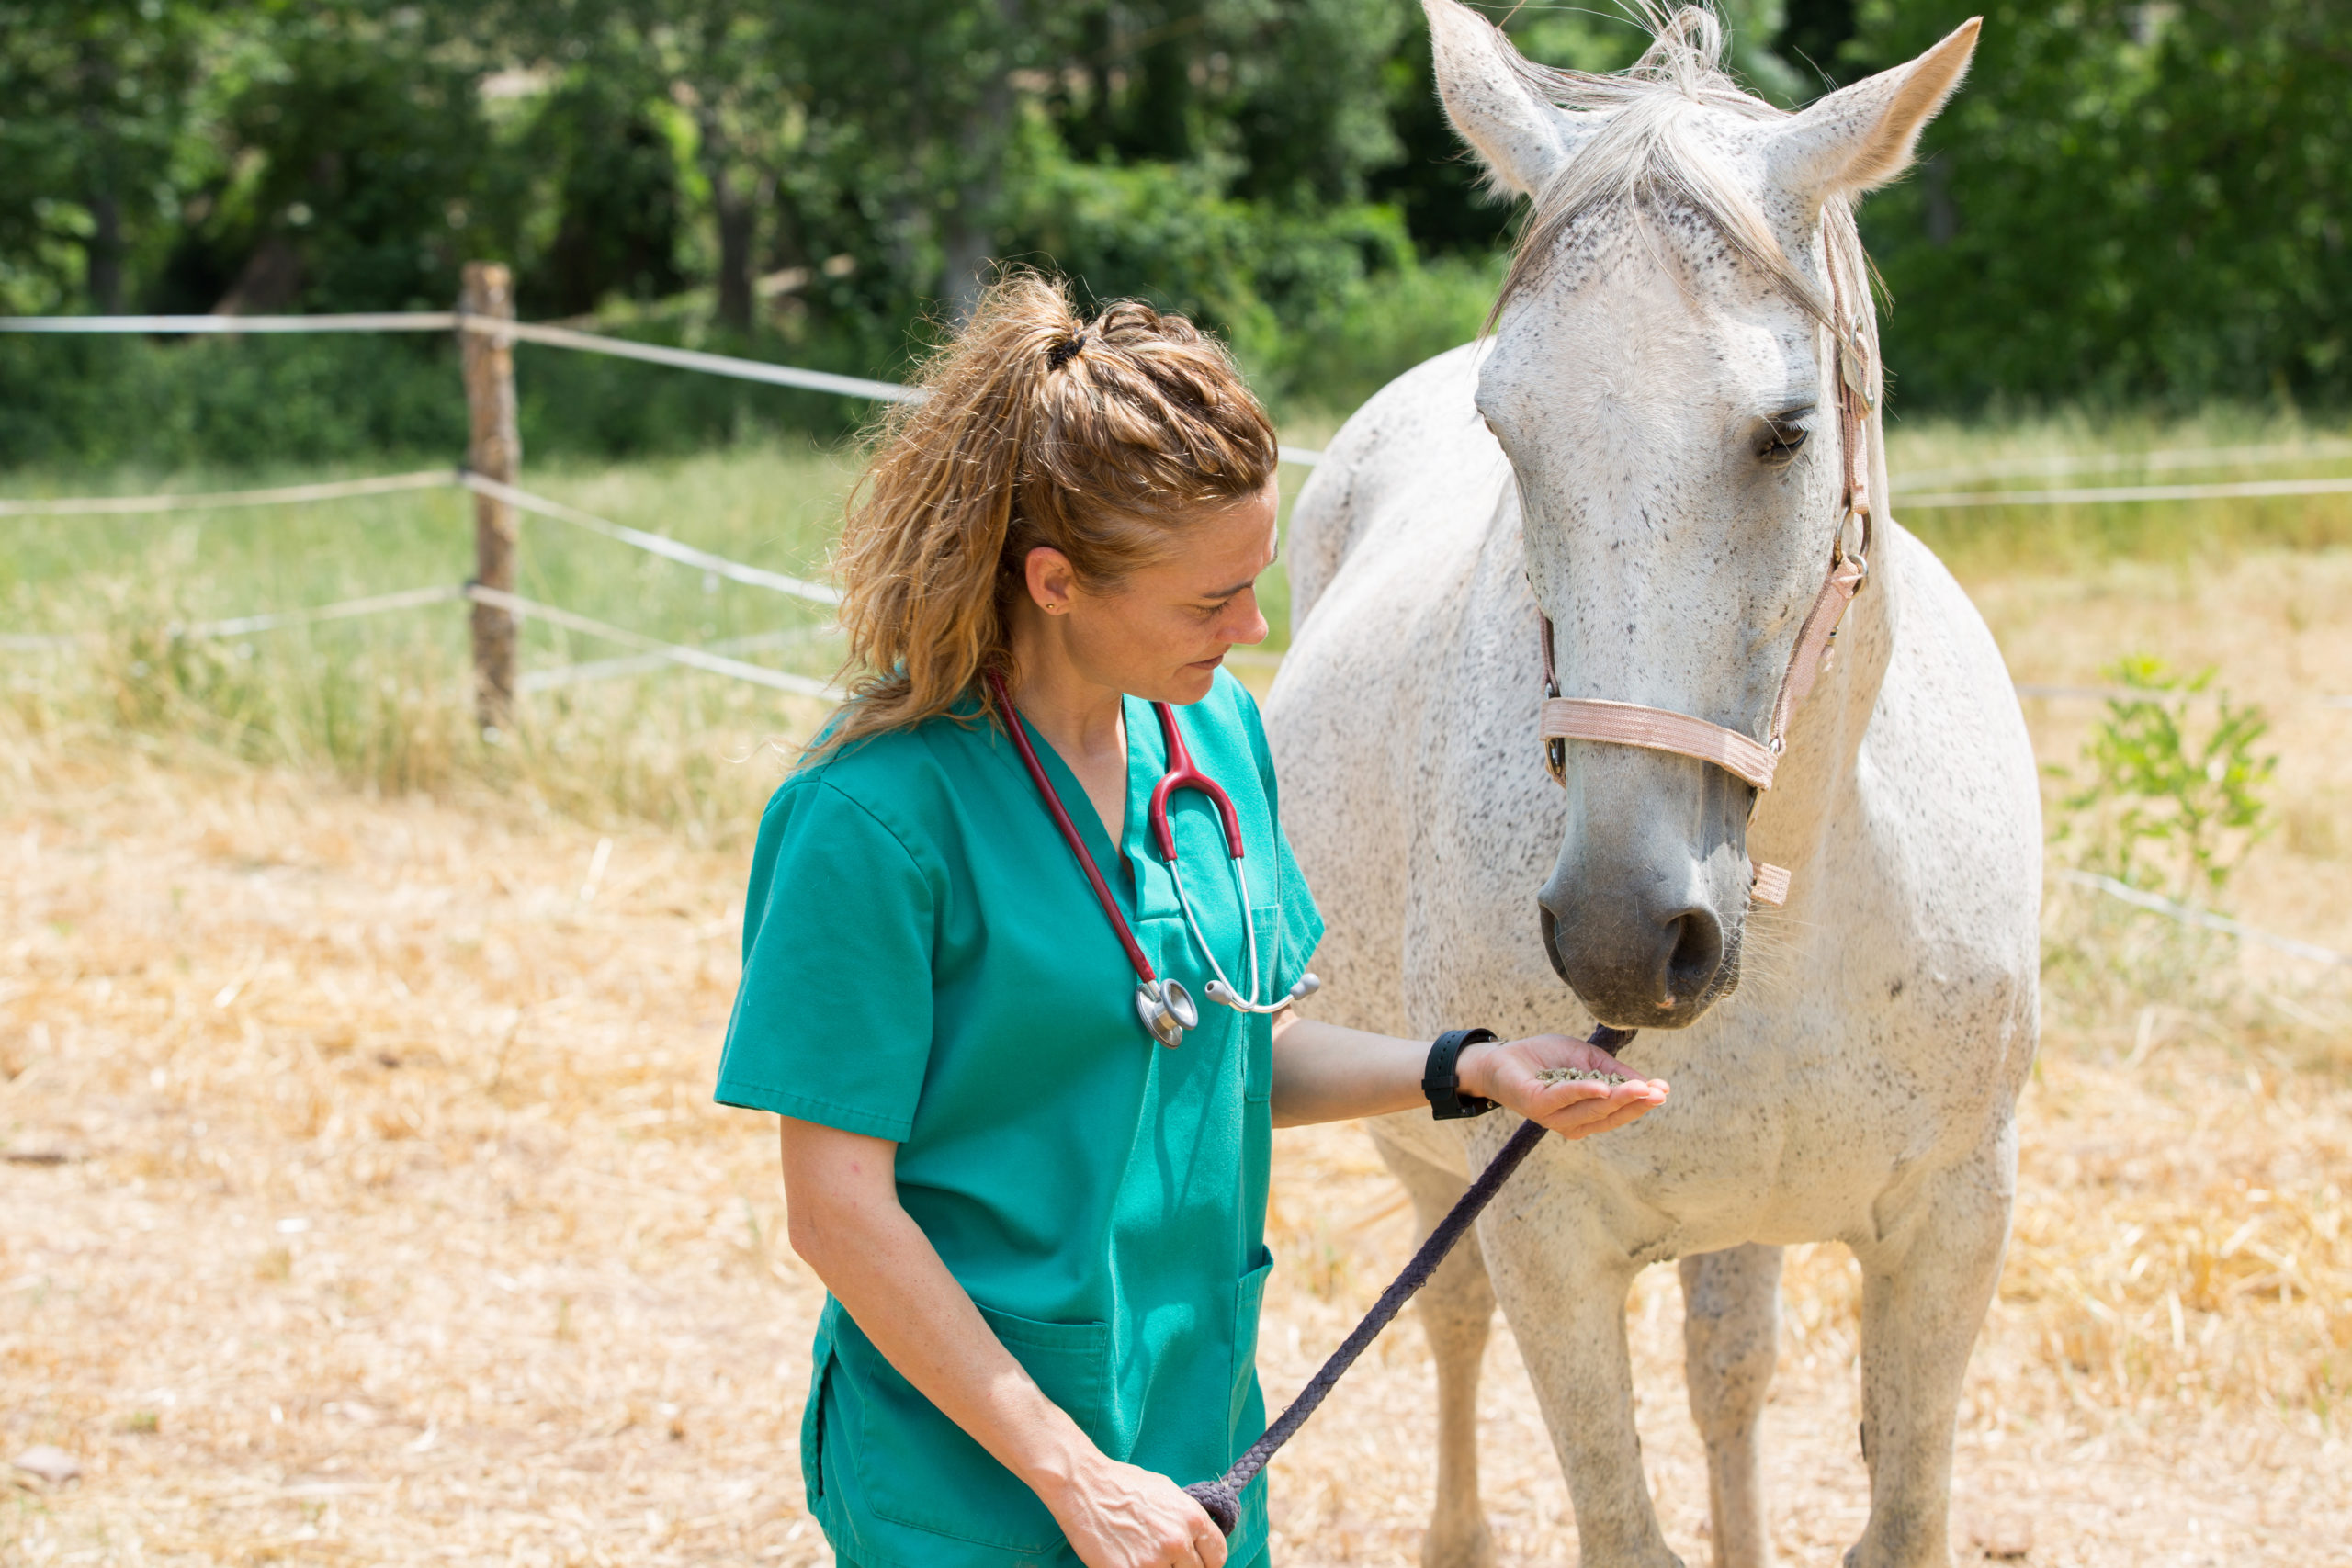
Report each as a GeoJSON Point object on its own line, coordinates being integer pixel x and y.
{"type": "Point", "coordinates": [1221, 1498]}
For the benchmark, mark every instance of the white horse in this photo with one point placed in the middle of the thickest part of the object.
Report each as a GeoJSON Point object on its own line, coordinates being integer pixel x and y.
{"type": "Point", "coordinates": [1648, 451]}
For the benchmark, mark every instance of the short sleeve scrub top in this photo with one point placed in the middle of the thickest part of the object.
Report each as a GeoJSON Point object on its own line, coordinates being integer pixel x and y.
{"type": "Point", "coordinates": [924, 961]}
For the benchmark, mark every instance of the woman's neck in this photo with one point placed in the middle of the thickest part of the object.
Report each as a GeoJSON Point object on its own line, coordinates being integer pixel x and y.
{"type": "Point", "coordinates": [1085, 721]}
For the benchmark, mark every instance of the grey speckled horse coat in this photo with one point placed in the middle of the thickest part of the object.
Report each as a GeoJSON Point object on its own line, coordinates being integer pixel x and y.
{"type": "Point", "coordinates": [1647, 448]}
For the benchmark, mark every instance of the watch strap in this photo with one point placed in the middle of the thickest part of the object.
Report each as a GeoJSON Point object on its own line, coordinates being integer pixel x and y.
{"type": "Point", "coordinates": [1443, 1086]}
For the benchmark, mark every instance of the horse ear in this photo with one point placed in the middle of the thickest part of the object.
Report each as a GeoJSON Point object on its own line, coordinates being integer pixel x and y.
{"type": "Point", "coordinates": [1481, 79]}
{"type": "Point", "coordinates": [1860, 137]}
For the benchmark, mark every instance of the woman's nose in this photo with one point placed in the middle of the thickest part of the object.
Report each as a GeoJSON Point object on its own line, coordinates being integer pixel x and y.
{"type": "Point", "coordinates": [1248, 623]}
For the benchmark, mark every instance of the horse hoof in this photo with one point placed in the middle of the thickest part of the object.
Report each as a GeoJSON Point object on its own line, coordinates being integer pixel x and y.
{"type": "Point", "coordinates": [1458, 1548]}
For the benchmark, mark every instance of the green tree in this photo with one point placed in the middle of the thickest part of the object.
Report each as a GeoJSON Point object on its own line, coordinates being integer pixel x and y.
{"type": "Point", "coordinates": [2126, 201]}
{"type": "Point", "coordinates": [96, 100]}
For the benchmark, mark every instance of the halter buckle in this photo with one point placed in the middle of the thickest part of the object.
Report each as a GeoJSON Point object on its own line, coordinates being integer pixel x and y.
{"type": "Point", "coordinates": [1853, 353]}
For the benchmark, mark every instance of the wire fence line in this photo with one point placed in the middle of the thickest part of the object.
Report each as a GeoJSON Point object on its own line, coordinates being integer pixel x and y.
{"type": "Point", "coordinates": [2188, 914]}
{"type": "Point", "coordinates": [655, 544]}
{"type": "Point", "coordinates": [2322, 450]}
{"type": "Point", "coordinates": [283, 495]}
{"type": "Point", "coordinates": [675, 653]}
{"type": "Point", "coordinates": [656, 654]}
{"type": "Point", "coordinates": [433, 479]}
{"type": "Point", "coordinates": [695, 359]}
{"type": "Point", "coordinates": [594, 670]}
{"type": "Point", "coordinates": [2039, 690]}
{"type": "Point", "coordinates": [325, 322]}
{"type": "Point", "coordinates": [500, 327]}
{"type": "Point", "coordinates": [459, 320]}
{"type": "Point", "coordinates": [2246, 488]}
{"type": "Point", "coordinates": [374, 604]}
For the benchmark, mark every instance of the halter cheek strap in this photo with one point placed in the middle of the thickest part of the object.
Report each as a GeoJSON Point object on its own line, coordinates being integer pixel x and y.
{"type": "Point", "coordinates": [1752, 762]}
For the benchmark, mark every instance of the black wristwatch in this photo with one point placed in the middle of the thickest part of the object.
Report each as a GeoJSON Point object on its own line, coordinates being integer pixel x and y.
{"type": "Point", "coordinates": [1443, 1086]}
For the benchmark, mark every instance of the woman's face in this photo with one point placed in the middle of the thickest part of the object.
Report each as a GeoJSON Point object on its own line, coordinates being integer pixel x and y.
{"type": "Point", "coordinates": [1161, 634]}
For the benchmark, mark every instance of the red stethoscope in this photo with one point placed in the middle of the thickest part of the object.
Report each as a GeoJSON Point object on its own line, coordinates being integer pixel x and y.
{"type": "Point", "coordinates": [1162, 1002]}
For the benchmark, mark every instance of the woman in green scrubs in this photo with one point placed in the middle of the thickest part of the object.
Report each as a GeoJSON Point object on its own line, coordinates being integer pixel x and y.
{"type": "Point", "coordinates": [1041, 1230]}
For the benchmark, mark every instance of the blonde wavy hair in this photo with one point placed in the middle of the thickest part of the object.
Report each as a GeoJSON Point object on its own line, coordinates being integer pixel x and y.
{"type": "Point", "coordinates": [1036, 428]}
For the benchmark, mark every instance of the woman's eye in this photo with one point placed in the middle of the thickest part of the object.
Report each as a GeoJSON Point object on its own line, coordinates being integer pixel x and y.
{"type": "Point", "coordinates": [1781, 442]}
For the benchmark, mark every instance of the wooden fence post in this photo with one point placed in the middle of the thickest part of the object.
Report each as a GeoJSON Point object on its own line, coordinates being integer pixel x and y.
{"type": "Point", "coordinates": [495, 452]}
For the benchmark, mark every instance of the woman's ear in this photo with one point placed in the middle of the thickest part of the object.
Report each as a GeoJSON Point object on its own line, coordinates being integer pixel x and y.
{"type": "Point", "coordinates": [1050, 578]}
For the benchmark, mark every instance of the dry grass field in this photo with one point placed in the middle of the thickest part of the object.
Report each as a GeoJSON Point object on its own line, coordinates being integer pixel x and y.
{"type": "Point", "coordinates": [362, 1200]}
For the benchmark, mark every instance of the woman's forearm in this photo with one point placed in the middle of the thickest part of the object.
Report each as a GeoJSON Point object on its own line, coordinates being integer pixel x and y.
{"type": "Point", "coordinates": [847, 1225]}
{"type": "Point", "coordinates": [1325, 1073]}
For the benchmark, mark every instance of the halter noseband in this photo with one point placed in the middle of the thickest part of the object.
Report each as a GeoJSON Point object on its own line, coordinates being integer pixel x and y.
{"type": "Point", "coordinates": [1743, 756]}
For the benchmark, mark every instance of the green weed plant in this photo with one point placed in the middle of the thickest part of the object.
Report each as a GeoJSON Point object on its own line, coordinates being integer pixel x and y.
{"type": "Point", "coordinates": [2168, 805]}
{"type": "Point", "coordinates": [2168, 798]}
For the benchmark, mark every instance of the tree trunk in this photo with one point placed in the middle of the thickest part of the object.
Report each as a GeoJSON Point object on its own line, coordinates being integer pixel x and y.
{"type": "Point", "coordinates": [737, 193]}
{"type": "Point", "coordinates": [101, 252]}
{"type": "Point", "coordinates": [967, 239]}
{"type": "Point", "coordinates": [738, 216]}
{"type": "Point", "coordinates": [104, 251]}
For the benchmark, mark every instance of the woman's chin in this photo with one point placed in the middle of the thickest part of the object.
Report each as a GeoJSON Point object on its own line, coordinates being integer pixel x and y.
{"type": "Point", "coordinates": [1183, 686]}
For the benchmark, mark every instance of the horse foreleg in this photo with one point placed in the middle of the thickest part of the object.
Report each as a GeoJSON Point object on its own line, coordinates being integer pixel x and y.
{"type": "Point", "coordinates": [1457, 1309]}
{"type": "Point", "coordinates": [1925, 1290]}
{"type": "Point", "coordinates": [1563, 1286]}
{"type": "Point", "coordinates": [1731, 1322]}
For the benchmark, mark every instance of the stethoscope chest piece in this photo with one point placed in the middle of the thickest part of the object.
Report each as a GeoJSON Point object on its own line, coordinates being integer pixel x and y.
{"type": "Point", "coordinates": [1167, 1009]}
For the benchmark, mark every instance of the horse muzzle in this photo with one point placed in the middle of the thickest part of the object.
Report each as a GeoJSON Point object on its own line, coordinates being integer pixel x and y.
{"type": "Point", "coordinates": [1644, 925]}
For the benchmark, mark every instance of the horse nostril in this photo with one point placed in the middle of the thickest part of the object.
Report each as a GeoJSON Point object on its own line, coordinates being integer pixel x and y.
{"type": "Point", "coordinates": [1696, 956]}
{"type": "Point", "coordinates": [1551, 926]}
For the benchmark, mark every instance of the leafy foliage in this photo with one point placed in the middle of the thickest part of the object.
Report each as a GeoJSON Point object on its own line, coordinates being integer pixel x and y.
{"type": "Point", "coordinates": [2164, 808]}
{"type": "Point", "coordinates": [2129, 200]}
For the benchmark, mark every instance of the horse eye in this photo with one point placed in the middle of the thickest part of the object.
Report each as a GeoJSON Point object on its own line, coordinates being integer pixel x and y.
{"type": "Point", "coordinates": [1781, 442]}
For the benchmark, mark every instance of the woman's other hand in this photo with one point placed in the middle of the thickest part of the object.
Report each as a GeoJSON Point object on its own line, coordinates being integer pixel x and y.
{"type": "Point", "coordinates": [1119, 1515]}
{"type": "Point", "coordinates": [1512, 1076]}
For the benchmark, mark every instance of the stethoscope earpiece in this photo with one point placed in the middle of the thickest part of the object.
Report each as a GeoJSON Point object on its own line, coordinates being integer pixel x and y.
{"type": "Point", "coordinates": [1223, 994]}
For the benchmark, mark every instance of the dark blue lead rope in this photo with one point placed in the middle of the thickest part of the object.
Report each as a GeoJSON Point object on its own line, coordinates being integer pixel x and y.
{"type": "Point", "coordinates": [1222, 1498]}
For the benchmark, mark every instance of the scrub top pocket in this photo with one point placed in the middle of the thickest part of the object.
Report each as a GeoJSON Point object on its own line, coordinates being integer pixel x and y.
{"type": "Point", "coordinates": [1248, 1301]}
{"type": "Point", "coordinates": [919, 1468]}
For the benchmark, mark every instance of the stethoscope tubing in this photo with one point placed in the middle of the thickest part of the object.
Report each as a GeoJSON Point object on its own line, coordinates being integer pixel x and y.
{"type": "Point", "coordinates": [1163, 1004]}
{"type": "Point", "coordinates": [1020, 734]}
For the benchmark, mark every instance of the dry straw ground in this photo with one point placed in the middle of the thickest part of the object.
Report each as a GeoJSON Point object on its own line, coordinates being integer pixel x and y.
{"type": "Point", "coordinates": [362, 1202]}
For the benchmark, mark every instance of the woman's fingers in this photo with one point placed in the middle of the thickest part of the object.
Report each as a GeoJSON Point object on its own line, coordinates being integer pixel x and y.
{"type": "Point", "coordinates": [1602, 1108]}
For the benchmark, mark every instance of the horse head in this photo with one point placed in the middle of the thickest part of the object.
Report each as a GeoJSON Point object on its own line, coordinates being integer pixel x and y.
{"type": "Point", "coordinates": [1664, 378]}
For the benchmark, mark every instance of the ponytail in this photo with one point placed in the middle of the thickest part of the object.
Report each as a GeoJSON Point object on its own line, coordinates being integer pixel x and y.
{"type": "Point", "coordinates": [1036, 429]}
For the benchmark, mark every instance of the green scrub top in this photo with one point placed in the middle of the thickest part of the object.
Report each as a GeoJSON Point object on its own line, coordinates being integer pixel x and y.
{"type": "Point", "coordinates": [924, 961]}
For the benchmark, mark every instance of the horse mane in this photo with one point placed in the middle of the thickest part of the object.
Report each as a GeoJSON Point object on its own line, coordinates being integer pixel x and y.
{"type": "Point", "coordinates": [1646, 154]}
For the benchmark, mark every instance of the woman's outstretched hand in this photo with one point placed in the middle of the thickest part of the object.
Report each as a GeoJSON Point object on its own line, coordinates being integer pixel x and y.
{"type": "Point", "coordinates": [1119, 1515]}
{"type": "Point", "coordinates": [1514, 1075]}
